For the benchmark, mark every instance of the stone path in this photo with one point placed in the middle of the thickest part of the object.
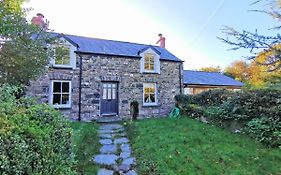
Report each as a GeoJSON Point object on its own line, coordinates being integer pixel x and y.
{"type": "Point", "coordinates": [115, 153]}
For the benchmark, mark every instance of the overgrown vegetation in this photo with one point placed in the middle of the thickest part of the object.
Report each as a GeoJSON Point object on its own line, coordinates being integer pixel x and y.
{"type": "Point", "coordinates": [185, 146]}
{"type": "Point", "coordinates": [34, 139]}
{"type": "Point", "coordinates": [23, 45]}
{"type": "Point", "coordinates": [254, 112]}
{"type": "Point", "coordinates": [85, 145]}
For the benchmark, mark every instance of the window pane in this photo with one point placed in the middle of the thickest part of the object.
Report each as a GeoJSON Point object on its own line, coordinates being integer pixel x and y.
{"type": "Point", "coordinates": [56, 99]}
{"type": "Point", "coordinates": [152, 98]}
{"type": "Point", "coordinates": [146, 98]}
{"type": "Point", "coordinates": [152, 90]}
{"type": "Point", "coordinates": [65, 87]}
{"type": "Point", "coordinates": [146, 66]}
{"type": "Point", "coordinates": [109, 94]}
{"type": "Point", "coordinates": [65, 99]}
{"type": "Point", "coordinates": [104, 93]}
{"type": "Point", "coordinates": [151, 67]}
{"type": "Point", "coordinates": [113, 93]}
{"type": "Point", "coordinates": [146, 90]}
{"type": "Point", "coordinates": [146, 58]}
{"type": "Point", "coordinates": [57, 87]}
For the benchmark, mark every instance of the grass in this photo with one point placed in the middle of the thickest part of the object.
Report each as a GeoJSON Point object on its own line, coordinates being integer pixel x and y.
{"type": "Point", "coordinates": [85, 145]}
{"type": "Point", "coordinates": [185, 146]}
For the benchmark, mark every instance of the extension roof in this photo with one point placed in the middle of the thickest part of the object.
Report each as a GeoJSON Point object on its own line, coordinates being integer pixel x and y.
{"type": "Point", "coordinates": [117, 48]}
{"type": "Point", "coordinates": [209, 78]}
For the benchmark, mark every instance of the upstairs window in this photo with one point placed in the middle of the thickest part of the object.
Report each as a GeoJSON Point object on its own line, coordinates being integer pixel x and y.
{"type": "Point", "coordinates": [149, 94]}
{"type": "Point", "coordinates": [149, 62]}
{"type": "Point", "coordinates": [62, 55]}
{"type": "Point", "coordinates": [60, 95]}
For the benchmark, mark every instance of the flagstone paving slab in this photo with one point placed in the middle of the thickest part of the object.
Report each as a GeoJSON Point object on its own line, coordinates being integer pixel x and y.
{"type": "Point", "coordinates": [105, 172]}
{"type": "Point", "coordinates": [105, 149]}
{"type": "Point", "coordinates": [121, 140]}
{"type": "Point", "coordinates": [105, 141]}
{"type": "Point", "coordinates": [106, 159]}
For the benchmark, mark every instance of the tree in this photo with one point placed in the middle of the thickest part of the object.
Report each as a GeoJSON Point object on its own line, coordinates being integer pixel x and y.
{"type": "Point", "coordinates": [238, 70]}
{"type": "Point", "coordinates": [258, 74]}
{"type": "Point", "coordinates": [211, 69]}
{"type": "Point", "coordinates": [255, 42]}
{"type": "Point", "coordinates": [254, 73]}
{"type": "Point", "coordinates": [23, 52]}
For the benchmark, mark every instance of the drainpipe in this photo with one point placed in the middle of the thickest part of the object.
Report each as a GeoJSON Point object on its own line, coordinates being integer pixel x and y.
{"type": "Point", "coordinates": [180, 78]}
{"type": "Point", "coordinates": [80, 87]}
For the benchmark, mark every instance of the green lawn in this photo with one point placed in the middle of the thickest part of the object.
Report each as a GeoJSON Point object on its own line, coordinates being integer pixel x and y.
{"type": "Point", "coordinates": [185, 146]}
{"type": "Point", "coordinates": [85, 145]}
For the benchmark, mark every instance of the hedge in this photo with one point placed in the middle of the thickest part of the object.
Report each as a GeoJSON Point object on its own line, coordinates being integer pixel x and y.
{"type": "Point", "coordinates": [255, 112]}
{"type": "Point", "coordinates": [34, 139]}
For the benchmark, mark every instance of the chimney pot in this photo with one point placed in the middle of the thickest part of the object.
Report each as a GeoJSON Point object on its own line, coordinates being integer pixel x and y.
{"type": "Point", "coordinates": [161, 40]}
{"type": "Point", "coordinates": [38, 20]}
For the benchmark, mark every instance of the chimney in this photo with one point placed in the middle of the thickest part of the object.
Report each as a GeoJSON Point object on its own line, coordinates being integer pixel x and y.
{"type": "Point", "coordinates": [161, 40]}
{"type": "Point", "coordinates": [38, 20]}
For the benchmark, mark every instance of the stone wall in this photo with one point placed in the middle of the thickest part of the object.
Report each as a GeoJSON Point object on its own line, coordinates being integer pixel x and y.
{"type": "Point", "coordinates": [125, 71]}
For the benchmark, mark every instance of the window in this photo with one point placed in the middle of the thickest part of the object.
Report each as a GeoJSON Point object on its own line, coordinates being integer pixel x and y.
{"type": "Point", "coordinates": [149, 94]}
{"type": "Point", "coordinates": [109, 91]}
{"type": "Point", "coordinates": [62, 55]}
{"type": "Point", "coordinates": [149, 62]}
{"type": "Point", "coordinates": [188, 91]}
{"type": "Point", "coordinates": [60, 94]}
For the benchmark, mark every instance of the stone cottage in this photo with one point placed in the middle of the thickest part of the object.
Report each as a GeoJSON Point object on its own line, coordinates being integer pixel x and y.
{"type": "Point", "coordinates": [90, 78]}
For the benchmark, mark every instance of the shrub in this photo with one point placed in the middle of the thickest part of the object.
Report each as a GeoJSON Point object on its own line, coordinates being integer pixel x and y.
{"type": "Point", "coordinates": [34, 139]}
{"type": "Point", "coordinates": [212, 97]}
{"type": "Point", "coordinates": [265, 130]}
{"type": "Point", "coordinates": [256, 111]}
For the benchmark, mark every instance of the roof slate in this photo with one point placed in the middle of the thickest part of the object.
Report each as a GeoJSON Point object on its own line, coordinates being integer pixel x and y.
{"type": "Point", "coordinates": [110, 47]}
{"type": "Point", "coordinates": [209, 78]}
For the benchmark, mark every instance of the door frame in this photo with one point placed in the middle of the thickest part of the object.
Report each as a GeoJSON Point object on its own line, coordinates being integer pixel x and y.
{"type": "Point", "coordinates": [117, 98]}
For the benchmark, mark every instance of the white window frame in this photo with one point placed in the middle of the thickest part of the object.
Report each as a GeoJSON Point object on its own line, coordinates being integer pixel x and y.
{"type": "Point", "coordinates": [72, 56]}
{"type": "Point", "coordinates": [156, 96]}
{"type": "Point", "coordinates": [156, 61]}
{"type": "Point", "coordinates": [51, 94]}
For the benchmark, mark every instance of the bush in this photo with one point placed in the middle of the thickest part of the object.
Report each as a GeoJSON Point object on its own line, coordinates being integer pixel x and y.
{"type": "Point", "coordinates": [258, 112]}
{"type": "Point", "coordinates": [265, 130]}
{"type": "Point", "coordinates": [34, 139]}
{"type": "Point", "coordinates": [212, 97]}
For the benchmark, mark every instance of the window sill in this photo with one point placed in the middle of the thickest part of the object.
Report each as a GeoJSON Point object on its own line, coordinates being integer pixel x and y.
{"type": "Point", "coordinates": [61, 107]}
{"type": "Point", "coordinates": [150, 72]}
{"type": "Point", "coordinates": [150, 105]}
{"type": "Point", "coordinates": [62, 67]}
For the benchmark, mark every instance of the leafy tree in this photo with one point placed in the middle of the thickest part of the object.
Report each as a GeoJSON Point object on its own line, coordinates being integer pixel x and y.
{"type": "Point", "coordinates": [23, 52]}
{"type": "Point", "coordinates": [258, 74]}
{"type": "Point", "coordinates": [256, 42]}
{"type": "Point", "coordinates": [253, 73]}
{"type": "Point", "coordinates": [238, 70]}
{"type": "Point", "coordinates": [211, 69]}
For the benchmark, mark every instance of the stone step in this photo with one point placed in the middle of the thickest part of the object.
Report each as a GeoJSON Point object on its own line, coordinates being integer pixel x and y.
{"type": "Point", "coordinates": [112, 119]}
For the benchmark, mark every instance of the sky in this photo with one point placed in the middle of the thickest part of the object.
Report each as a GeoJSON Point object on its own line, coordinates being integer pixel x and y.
{"type": "Point", "coordinates": [191, 27]}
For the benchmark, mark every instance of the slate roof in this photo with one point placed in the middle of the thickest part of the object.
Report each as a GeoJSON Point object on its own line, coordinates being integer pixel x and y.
{"type": "Point", "coordinates": [208, 78]}
{"type": "Point", "coordinates": [110, 47]}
